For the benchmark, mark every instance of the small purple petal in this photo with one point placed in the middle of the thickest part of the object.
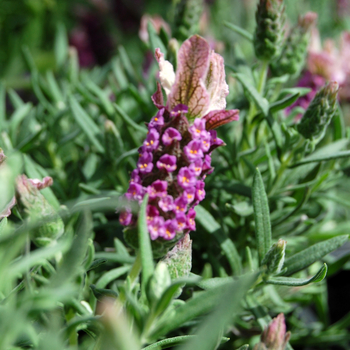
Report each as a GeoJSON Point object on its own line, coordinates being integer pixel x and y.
{"type": "Point", "coordinates": [197, 128]}
{"type": "Point", "coordinates": [125, 217]}
{"type": "Point", "coordinates": [191, 224]}
{"type": "Point", "coordinates": [181, 221]}
{"type": "Point", "coordinates": [193, 150]}
{"type": "Point", "coordinates": [170, 229]}
{"type": "Point", "coordinates": [157, 189]}
{"type": "Point", "coordinates": [214, 140]}
{"type": "Point", "coordinates": [189, 194]}
{"type": "Point", "coordinates": [205, 140]}
{"type": "Point", "coordinates": [144, 163]}
{"type": "Point", "coordinates": [178, 110]}
{"type": "Point", "coordinates": [152, 212]}
{"type": "Point", "coordinates": [152, 140]}
{"type": "Point", "coordinates": [180, 204]}
{"type": "Point", "coordinates": [136, 190]}
{"type": "Point", "coordinates": [196, 166]}
{"type": "Point", "coordinates": [157, 120]}
{"type": "Point", "coordinates": [170, 135]}
{"type": "Point", "coordinates": [167, 162]}
{"type": "Point", "coordinates": [135, 176]}
{"type": "Point", "coordinates": [200, 192]}
{"type": "Point", "coordinates": [156, 227]}
{"type": "Point", "coordinates": [166, 203]}
{"type": "Point", "coordinates": [207, 168]}
{"type": "Point", "coordinates": [186, 178]}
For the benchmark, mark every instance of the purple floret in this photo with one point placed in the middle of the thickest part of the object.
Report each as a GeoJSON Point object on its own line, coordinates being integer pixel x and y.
{"type": "Point", "coordinates": [167, 162]}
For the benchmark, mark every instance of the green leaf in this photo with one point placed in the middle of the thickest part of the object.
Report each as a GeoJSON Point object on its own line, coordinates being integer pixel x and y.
{"type": "Point", "coordinates": [61, 45]}
{"type": "Point", "coordinates": [2, 106]}
{"type": "Point", "coordinates": [282, 104]}
{"type": "Point", "coordinates": [212, 328]}
{"type": "Point", "coordinates": [206, 219]}
{"type": "Point", "coordinates": [311, 254]}
{"type": "Point", "coordinates": [245, 34]}
{"type": "Point", "coordinates": [128, 120]}
{"type": "Point", "coordinates": [86, 123]}
{"type": "Point", "coordinates": [16, 119]}
{"type": "Point", "coordinates": [111, 275]}
{"type": "Point", "coordinates": [315, 158]}
{"type": "Point", "coordinates": [154, 39]}
{"type": "Point", "coordinates": [3, 225]}
{"type": "Point", "coordinates": [145, 246]}
{"type": "Point", "coordinates": [260, 101]}
{"type": "Point", "coordinates": [261, 216]}
{"type": "Point", "coordinates": [297, 282]}
{"type": "Point", "coordinates": [170, 342]}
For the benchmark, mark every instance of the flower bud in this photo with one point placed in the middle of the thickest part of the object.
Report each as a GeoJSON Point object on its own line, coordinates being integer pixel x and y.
{"type": "Point", "coordinates": [293, 55]}
{"type": "Point", "coordinates": [269, 29]}
{"type": "Point", "coordinates": [39, 211]}
{"type": "Point", "coordinates": [274, 337]}
{"type": "Point", "coordinates": [2, 156]}
{"type": "Point", "coordinates": [274, 258]}
{"type": "Point", "coordinates": [187, 16]}
{"type": "Point", "coordinates": [322, 108]}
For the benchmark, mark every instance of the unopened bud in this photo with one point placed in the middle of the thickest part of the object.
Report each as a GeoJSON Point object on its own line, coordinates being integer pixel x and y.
{"type": "Point", "coordinates": [294, 51]}
{"type": "Point", "coordinates": [320, 112]}
{"type": "Point", "coordinates": [269, 29]}
{"type": "Point", "coordinates": [2, 156]}
{"type": "Point", "coordinates": [274, 258]}
{"type": "Point", "coordinates": [39, 211]}
{"type": "Point", "coordinates": [274, 337]}
{"type": "Point", "coordinates": [187, 17]}
{"type": "Point", "coordinates": [179, 259]}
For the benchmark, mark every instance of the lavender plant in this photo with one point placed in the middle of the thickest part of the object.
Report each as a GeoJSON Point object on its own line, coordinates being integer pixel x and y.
{"type": "Point", "coordinates": [211, 247]}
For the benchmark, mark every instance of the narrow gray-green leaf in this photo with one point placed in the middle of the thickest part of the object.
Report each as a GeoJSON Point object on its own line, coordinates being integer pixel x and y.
{"type": "Point", "coordinates": [313, 158]}
{"type": "Point", "coordinates": [145, 245]}
{"type": "Point", "coordinates": [206, 219]}
{"type": "Point", "coordinates": [297, 282]}
{"type": "Point", "coordinates": [111, 276]}
{"type": "Point", "coordinates": [61, 45]}
{"type": "Point", "coordinates": [128, 120]}
{"type": "Point", "coordinates": [285, 102]}
{"type": "Point", "coordinates": [213, 326]}
{"type": "Point", "coordinates": [259, 100]}
{"type": "Point", "coordinates": [86, 123]}
{"type": "Point", "coordinates": [311, 254]}
{"type": "Point", "coordinates": [245, 34]}
{"type": "Point", "coordinates": [261, 216]}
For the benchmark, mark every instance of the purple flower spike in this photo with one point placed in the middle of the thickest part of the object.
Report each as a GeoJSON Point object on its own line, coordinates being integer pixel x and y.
{"type": "Point", "coordinates": [158, 119]}
{"type": "Point", "coordinates": [157, 189]}
{"type": "Point", "coordinates": [198, 128]}
{"type": "Point", "coordinates": [196, 167]}
{"type": "Point", "coordinates": [136, 190]}
{"type": "Point", "coordinates": [170, 135]}
{"type": "Point", "coordinates": [145, 164]}
{"type": "Point", "coordinates": [186, 178]}
{"type": "Point", "coordinates": [167, 162]}
{"type": "Point", "coordinates": [180, 204]}
{"type": "Point", "coordinates": [156, 227]}
{"type": "Point", "coordinates": [166, 203]}
{"type": "Point", "coordinates": [191, 224]}
{"type": "Point", "coordinates": [181, 221]}
{"type": "Point", "coordinates": [178, 110]}
{"type": "Point", "coordinates": [170, 229]}
{"type": "Point", "coordinates": [200, 192]}
{"type": "Point", "coordinates": [152, 140]}
{"type": "Point", "coordinates": [193, 150]}
{"type": "Point", "coordinates": [189, 194]}
{"type": "Point", "coordinates": [125, 217]}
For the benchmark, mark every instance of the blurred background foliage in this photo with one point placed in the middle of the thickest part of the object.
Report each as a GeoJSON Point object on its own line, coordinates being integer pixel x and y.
{"type": "Point", "coordinates": [76, 82]}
